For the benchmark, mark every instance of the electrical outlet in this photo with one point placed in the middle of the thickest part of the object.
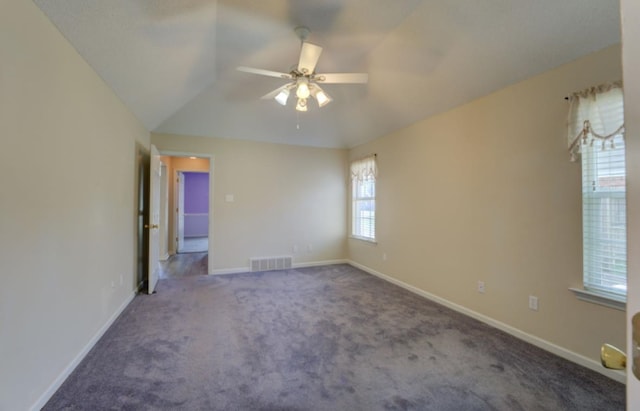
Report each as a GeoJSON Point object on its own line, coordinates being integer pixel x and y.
{"type": "Point", "coordinates": [481, 287]}
{"type": "Point", "coordinates": [384, 256]}
{"type": "Point", "coordinates": [533, 303]}
{"type": "Point", "coordinates": [295, 248]}
{"type": "Point", "coordinates": [113, 284]}
{"type": "Point", "coordinates": [309, 248]}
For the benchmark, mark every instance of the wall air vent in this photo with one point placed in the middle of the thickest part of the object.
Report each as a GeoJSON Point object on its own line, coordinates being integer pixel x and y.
{"type": "Point", "coordinates": [270, 263]}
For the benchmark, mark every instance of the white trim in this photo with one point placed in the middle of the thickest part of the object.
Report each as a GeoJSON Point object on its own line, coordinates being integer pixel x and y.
{"type": "Point", "coordinates": [579, 359]}
{"type": "Point", "coordinates": [237, 270]}
{"type": "Point", "coordinates": [46, 396]}
{"type": "Point", "coordinates": [320, 263]}
{"type": "Point", "coordinates": [365, 239]}
{"type": "Point", "coordinates": [607, 300]}
{"type": "Point", "coordinates": [164, 257]}
{"type": "Point", "coordinates": [225, 271]}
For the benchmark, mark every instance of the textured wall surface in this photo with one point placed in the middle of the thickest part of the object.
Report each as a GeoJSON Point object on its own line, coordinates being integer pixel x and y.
{"type": "Point", "coordinates": [287, 200]}
{"type": "Point", "coordinates": [68, 200]}
{"type": "Point", "coordinates": [486, 192]}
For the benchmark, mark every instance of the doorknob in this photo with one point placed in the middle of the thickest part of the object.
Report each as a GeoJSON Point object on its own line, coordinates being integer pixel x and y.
{"type": "Point", "coordinates": [151, 226]}
{"type": "Point", "coordinates": [613, 357]}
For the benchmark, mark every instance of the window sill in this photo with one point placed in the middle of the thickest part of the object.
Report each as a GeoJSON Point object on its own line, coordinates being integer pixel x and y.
{"type": "Point", "coordinates": [366, 240]}
{"type": "Point", "coordinates": [608, 300]}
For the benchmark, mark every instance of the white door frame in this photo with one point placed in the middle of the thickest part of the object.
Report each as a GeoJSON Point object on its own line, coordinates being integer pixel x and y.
{"type": "Point", "coordinates": [178, 202]}
{"type": "Point", "coordinates": [164, 211]}
{"type": "Point", "coordinates": [153, 224]}
{"type": "Point", "coordinates": [630, 12]}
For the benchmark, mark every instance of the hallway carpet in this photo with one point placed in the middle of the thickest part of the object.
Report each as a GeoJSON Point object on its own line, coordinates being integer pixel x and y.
{"type": "Point", "coordinates": [322, 338]}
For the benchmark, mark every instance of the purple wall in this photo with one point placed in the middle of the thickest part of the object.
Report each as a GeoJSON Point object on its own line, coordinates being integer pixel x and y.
{"type": "Point", "coordinates": [196, 201]}
{"type": "Point", "coordinates": [196, 193]}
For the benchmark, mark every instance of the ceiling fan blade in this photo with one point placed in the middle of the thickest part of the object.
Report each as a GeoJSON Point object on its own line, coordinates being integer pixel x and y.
{"type": "Point", "coordinates": [277, 91]}
{"type": "Point", "coordinates": [262, 72]}
{"type": "Point", "coordinates": [336, 78]}
{"type": "Point", "coordinates": [309, 56]}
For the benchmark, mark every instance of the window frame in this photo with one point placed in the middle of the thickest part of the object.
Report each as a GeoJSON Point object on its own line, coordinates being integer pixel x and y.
{"type": "Point", "coordinates": [363, 171]}
{"type": "Point", "coordinates": [601, 256]}
{"type": "Point", "coordinates": [592, 238]}
{"type": "Point", "coordinates": [357, 220]}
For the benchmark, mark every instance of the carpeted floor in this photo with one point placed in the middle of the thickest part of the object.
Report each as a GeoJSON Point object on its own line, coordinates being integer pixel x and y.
{"type": "Point", "coordinates": [322, 338]}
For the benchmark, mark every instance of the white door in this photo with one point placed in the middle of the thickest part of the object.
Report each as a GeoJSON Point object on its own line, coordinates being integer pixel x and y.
{"type": "Point", "coordinates": [154, 220]}
{"type": "Point", "coordinates": [164, 210]}
{"type": "Point", "coordinates": [630, 12]}
{"type": "Point", "coordinates": [180, 212]}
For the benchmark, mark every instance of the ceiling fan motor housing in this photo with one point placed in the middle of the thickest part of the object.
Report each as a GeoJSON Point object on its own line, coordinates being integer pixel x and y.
{"type": "Point", "coordinates": [302, 32]}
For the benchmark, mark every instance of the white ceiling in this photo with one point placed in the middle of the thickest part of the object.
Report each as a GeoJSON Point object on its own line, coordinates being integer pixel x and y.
{"type": "Point", "coordinates": [172, 62]}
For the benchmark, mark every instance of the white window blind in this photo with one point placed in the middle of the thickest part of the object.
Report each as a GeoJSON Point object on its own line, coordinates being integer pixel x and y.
{"type": "Point", "coordinates": [597, 124]}
{"type": "Point", "coordinates": [363, 197]}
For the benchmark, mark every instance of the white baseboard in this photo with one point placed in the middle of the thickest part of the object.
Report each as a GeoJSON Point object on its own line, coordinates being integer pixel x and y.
{"type": "Point", "coordinates": [320, 263]}
{"type": "Point", "coordinates": [579, 359]}
{"type": "Point", "coordinates": [164, 257]}
{"type": "Point", "coordinates": [46, 396]}
{"type": "Point", "coordinates": [224, 271]}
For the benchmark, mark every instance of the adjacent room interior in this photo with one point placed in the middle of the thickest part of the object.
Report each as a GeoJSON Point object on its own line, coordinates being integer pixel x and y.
{"type": "Point", "coordinates": [186, 226]}
{"type": "Point", "coordinates": [478, 206]}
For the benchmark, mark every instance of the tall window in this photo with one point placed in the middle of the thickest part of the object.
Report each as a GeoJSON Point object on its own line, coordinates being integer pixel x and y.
{"type": "Point", "coordinates": [363, 198]}
{"type": "Point", "coordinates": [598, 122]}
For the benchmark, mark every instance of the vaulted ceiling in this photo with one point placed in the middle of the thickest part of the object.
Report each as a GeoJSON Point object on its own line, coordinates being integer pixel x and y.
{"type": "Point", "coordinates": [173, 62]}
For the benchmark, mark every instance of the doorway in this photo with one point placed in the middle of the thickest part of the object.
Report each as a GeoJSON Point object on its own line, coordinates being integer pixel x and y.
{"type": "Point", "coordinates": [142, 216]}
{"type": "Point", "coordinates": [176, 164]}
{"type": "Point", "coordinates": [192, 211]}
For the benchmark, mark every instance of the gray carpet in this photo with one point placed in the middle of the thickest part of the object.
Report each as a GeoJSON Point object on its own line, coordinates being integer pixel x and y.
{"type": "Point", "coordinates": [325, 338]}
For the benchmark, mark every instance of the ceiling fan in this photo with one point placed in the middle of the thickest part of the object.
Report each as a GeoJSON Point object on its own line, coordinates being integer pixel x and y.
{"type": "Point", "coordinates": [304, 79]}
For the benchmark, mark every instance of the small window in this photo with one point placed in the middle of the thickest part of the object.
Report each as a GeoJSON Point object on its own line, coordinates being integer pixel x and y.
{"type": "Point", "coordinates": [363, 198]}
{"type": "Point", "coordinates": [604, 216]}
{"type": "Point", "coordinates": [597, 119]}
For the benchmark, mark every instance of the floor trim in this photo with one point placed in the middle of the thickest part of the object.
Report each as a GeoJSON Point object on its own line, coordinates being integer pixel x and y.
{"type": "Point", "coordinates": [237, 270]}
{"type": "Point", "coordinates": [46, 396]}
{"type": "Point", "coordinates": [320, 263]}
{"type": "Point", "coordinates": [579, 359]}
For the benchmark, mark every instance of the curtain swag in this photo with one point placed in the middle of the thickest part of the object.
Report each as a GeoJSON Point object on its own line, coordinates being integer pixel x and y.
{"type": "Point", "coordinates": [364, 169]}
{"type": "Point", "coordinates": [587, 122]}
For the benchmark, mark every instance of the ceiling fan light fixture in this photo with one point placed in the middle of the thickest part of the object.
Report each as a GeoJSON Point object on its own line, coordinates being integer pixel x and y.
{"type": "Point", "coordinates": [282, 96]}
{"type": "Point", "coordinates": [322, 98]}
{"type": "Point", "coordinates": [302, 104]}
{"type": "Point", "coordinates": [303, 77]}
{"type": "Point", "coordinates": [303, 92]}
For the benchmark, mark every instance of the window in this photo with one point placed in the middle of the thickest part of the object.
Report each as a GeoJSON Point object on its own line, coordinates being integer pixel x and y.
{"type": "Point", "coordinates": [363, 198]}
{"type": "Point", "coordinates": [604, 219]}
{"type": "Point", "coordinates": [602, 148]}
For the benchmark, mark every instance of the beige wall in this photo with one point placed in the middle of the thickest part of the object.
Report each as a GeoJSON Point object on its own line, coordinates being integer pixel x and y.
{"type": "Point", "coordinates": [483, 192]}
{"type": "Point", "coordinates": [631, 68]}
{"type": "Point", "coordinates": [67, 227]}
{"type": "Point", "coordinates": [285, 196]}
{"type": "Point", "coordinates": [486, 192]}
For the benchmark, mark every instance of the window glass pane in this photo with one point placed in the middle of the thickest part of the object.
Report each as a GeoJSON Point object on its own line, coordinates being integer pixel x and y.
{"type": "Point", "coordinates": [604, 217]}
{"type": "Point", "coordinates": [363, 209]}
